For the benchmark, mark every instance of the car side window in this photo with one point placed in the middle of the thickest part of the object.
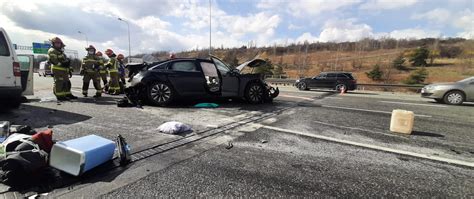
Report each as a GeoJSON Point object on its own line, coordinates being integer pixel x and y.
{"type": "Point", "coordinates": [161, 66]}
{"type": "Point", "coordinates": [4, 51]}
{"type": "Point", "coordinates": [223, 69]}
{"type": "Point", "coordinates": [322, 76]}
{"type": "Point", "coordinates": [331, 76]}
{"type": "Point", "coordinates": [187, 66]}
{"type": "Point", "coordinates": [342, 76]}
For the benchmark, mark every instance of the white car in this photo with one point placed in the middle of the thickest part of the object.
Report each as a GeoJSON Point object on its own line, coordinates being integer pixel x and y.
{"type": "Point", "coordinates": [15, 76]}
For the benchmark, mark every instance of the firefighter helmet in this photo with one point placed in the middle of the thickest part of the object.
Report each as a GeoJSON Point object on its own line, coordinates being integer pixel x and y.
{"type": "Point", "coordinates": [109, 52]}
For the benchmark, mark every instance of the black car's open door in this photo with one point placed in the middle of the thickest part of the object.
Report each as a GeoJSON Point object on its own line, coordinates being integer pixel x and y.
{"type": "Point", "coordinates": [26, 70]}
{"type": "Point", "coordinates": [213, 81]}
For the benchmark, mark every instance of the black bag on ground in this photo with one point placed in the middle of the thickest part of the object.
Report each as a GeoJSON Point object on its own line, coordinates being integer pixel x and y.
{"type": "Point", "coordinates": [22, 165]}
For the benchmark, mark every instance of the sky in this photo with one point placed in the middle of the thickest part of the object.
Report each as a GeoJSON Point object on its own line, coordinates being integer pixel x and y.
{"type": "Point", "coordinates": [177, 25]}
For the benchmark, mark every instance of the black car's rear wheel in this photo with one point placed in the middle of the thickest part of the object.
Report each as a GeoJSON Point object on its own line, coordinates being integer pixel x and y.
{"type": "Point", "coordinates": [302, 86]}
{"type": "Point", "coordinates": [454, 98]}
{"type": "Point", "coordinates": [254, 93]}
{"type": "Point", "coordinates": [341, 87]}
{"type": "Point", "coordinates": [160, 94]}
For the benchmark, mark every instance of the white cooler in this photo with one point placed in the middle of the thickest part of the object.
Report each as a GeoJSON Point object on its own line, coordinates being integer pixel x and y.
{"type": "Point", "coordinates": [81, 154]}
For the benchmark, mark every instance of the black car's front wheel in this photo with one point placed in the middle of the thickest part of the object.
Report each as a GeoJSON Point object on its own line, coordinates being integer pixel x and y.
{"type": "Point", "coordinates": [302, 86]}
{"type": "Point", "coordinates": [160, 94]}
{"type": "Point", "coordinates": [254, 93]}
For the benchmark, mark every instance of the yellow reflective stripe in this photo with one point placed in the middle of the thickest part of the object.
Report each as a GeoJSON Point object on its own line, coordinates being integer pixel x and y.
{"type": "Point", "coordinates": [103, 72]}
{"type": "Point", "coordinates": [113, 71]}
{"type": "Point", "coordinates": [59, 68]}
{"type": "Point", "coordinates": [61, 94]}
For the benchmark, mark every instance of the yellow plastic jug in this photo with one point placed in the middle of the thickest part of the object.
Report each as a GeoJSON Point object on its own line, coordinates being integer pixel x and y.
{"type": "Point", "coordinates": [402, 121]}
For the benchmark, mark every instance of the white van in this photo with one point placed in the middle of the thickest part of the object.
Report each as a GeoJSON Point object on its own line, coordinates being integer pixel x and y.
{"type": "Point", "coordinates": [10, 74]}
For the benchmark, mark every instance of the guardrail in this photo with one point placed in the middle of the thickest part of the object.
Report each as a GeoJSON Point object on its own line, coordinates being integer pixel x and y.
{"type": "Point", "coordinates": [291, 82]}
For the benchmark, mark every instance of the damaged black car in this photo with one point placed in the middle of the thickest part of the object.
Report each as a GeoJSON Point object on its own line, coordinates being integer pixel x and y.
{"type": "Point", "coordinates": [160, 83]}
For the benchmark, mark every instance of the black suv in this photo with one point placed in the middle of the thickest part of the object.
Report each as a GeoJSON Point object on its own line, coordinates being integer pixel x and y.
{"type": "Point", "coordinates": [332, 80]}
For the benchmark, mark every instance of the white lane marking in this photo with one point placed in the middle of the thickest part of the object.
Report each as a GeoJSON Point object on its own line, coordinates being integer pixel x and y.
{"type": "Point", "coordinates": [368, 110]}
{"type": "Point", "coordinates": [375, 147]}
{"type": "Point", "coordinates": [414, 104]}
{"type": "Point", "coordinates": [339, 98]}
{"type": "Point", "coordinates": [352, 128]}
{"type": "Point", "coordinates": [297, 97]}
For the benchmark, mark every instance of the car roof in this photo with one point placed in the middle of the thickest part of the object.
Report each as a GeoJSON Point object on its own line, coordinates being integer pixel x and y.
{"type": "Point", "coordinates": [188, 59]}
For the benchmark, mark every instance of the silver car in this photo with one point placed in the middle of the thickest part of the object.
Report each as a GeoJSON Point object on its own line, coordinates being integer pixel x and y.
{"type": "Point", "coordinates": [451, 93]}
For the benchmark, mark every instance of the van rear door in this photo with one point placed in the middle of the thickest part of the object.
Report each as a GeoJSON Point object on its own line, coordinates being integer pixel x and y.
{"type": "Point", "coordinates": [26, 69]}
{"type": "Point", "coordinates": [7, 55]}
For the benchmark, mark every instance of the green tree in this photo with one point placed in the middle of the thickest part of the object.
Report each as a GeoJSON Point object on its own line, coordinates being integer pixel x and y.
{"type": "Point", "coordinates": [375, 74]}
{"type": "Point", "coordinates": [398, 62]}
{"type": "Point", "coordinates": [419, 56]}
{"type": "Point", "coordinates": [265, 69]}
{"type": "Point", "coordinates": [417, 77]}
{"type": "Point", "coordinates": [278, 70]}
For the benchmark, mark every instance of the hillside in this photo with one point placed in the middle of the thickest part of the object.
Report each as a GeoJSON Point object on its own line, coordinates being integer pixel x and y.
{"type": "Point", "coordinates": [452, 58]}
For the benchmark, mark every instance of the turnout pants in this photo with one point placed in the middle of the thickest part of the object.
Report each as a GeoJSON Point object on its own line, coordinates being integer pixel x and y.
{"type": "Point", "coordinates": [94, 76]}
{"type": "Point", "coordinates": [114, 87]}
{"type": "Point", "coordinates": [61, 81]}
{"type": "Point", "coordinates": [103, 76]}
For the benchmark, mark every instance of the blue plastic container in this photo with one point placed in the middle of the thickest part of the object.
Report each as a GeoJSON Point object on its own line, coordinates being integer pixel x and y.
{"type": "Point", "coordinates": [81, 154]}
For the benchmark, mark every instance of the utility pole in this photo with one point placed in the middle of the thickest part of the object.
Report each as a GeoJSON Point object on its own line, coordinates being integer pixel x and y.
{"type": "Point", "coordinates": [129, 49]}
{"type": "Point", "coordinates": [210, 27]}
{"type": "Point", "coordinates": [87, 40]}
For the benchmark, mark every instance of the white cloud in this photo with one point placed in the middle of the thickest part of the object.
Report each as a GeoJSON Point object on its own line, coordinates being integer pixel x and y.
{"type": "Point", "coordinates": [302, 8]}
{"type": "Point", "coordinates": [387, 4]}
{"type": "Point", "coordinates": [294, 27]}
{"type": "Point", "coordinates": [345, 30]}
{"type": "Point", "coordinates": [463, 20]}
{"type": "Point", "coordinates": [307, 37]}
{"type": "Point", "coordinates": [260, 23]}
{"type": "Point", "coordinates": [414, 33]}
{"type": "Point", "coordinates": [438, 15]}
{"type": "Point", "coordinates": [151, 23]}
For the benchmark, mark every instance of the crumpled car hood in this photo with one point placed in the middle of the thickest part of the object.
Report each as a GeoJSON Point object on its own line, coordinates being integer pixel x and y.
{"type": "Point", "coordinates": [256, 62]}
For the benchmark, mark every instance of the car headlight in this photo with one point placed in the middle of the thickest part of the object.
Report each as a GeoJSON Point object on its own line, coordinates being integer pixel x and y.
{"type": "Point", "coordinates": [297, 80]}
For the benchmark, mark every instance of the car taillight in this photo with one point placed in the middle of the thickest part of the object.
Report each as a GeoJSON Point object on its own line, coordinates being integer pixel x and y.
{"type": "Point", "coordinates": [16, 69]}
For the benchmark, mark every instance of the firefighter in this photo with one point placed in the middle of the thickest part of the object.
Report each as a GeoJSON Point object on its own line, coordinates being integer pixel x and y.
{"type": "Point", "coordinates": [121, 69]}
{"type": "Point", "coordinates": [103, 71]}
{"type": "Point", "coordinates": [90, 71]}
{"type": "Point", "coordinates": [60, 68]}
{"type": "Point", "coordinates": [112, 65]}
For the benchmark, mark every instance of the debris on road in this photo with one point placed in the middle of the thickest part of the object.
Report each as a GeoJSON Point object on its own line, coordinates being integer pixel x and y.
{"type": "Point", "coordinates": [402, 121]}
{"type": "Point", "coordinates": [24, 157]}
{"type": "Point", "coordinates": [82, 154]}
{"type": "Point", "coordinates": [206, 105]}
{"type": "Point", "coordinates": [22, 129]}
{"type": "Point", "coordinates": [212, 126]}
{"type": "Point", "coordinates": [123, 150]}
{"type": "Point", "coordinates": [263, 141]}
{"type": "Point", "coordinates": [4, 129]}
{"type": "Point", "coordinates": [48, 99]}
{"type": "Point", "coordinates": [174, 128]}
{"type": "Point", "coordinates": [229, 145]}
